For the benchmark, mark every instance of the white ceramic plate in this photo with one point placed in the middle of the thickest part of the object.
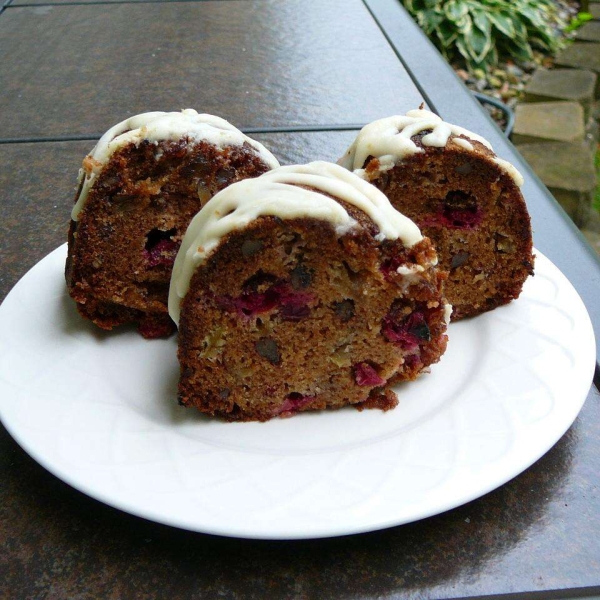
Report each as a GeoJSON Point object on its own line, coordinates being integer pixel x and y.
{"type": "Point", "coordinates": [99, 411]}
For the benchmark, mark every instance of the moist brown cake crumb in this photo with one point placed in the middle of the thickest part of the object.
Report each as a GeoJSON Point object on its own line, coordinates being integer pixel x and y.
{"type": "Point", "coordinates": [473, 212]}
{"type": "Point", "coordinates": [122, 247]}
{"type": "Point", "coordinates": [308, 320]}
{"type": "Point", "coordinates": [380, 399]}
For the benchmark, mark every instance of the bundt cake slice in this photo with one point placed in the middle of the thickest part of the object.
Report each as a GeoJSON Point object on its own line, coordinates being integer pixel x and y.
{"type": "Point", "coordinates": [462, 196]}
{"type": "Point", "coordinates": [138, 190]}
{"type": "Point", "coordinates": [303, 289]}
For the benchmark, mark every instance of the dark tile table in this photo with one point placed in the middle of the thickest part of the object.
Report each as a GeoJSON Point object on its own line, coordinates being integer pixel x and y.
{"type": "Point", "coordinates": [68, 72]}
{"type": "Point", "coordinates": [75, 68]}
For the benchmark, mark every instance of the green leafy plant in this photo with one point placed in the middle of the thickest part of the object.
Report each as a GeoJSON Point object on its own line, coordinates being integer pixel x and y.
{"type": "Point", "coordinates": [481, 31]}
{"type": "Point", "coordinates": [578, 21]}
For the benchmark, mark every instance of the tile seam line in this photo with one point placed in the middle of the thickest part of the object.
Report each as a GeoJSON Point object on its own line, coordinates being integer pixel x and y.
{"type": "Point", "coordinates": [392, 45]}
{"type": "Point", "coordinates": [246, 130]}
{"type": "Point", "coordinates": [5, 5]}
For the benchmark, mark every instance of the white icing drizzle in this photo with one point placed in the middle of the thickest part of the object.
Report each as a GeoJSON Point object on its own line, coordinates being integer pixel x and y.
{"type": "Point", "coordinates": [447, 313]}
{"type": "Point", "coordinates": [510, 169]}
{"type": "Point", "coordinates": [463, 144]}
{"type": "Point", "coordinates": [410, 270]}
{"type": "Point", "coordinates": [389, 140]}
{"type": "Point", "coordinates": [157, 127]}
{"type": "Point", "coordinates": [280, 193]}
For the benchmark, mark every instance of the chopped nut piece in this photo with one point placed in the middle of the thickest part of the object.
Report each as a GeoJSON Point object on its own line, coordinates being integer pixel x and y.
{"type": "Point", "coordinates": [341, 357]}
{"type": "Point", "coordinates": [213, 344]}
{"type": "Point", "coordinates": [204, 194]}
{"type": "Point", "coordinates": [505, 244]}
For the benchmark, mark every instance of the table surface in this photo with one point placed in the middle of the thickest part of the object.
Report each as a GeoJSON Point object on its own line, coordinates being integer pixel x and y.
{"type": "Point", "coordinates": [318, 70]}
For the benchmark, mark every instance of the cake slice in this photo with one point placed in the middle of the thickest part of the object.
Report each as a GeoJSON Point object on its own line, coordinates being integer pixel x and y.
{"type": "Point", "coordinates": [303, 289]}
{"type": "Point", "coordinates": [462, 196]}
{"type": "Point", "coordinates": [138, 190]}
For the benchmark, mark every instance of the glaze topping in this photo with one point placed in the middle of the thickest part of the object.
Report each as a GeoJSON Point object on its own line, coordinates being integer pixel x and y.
{"type": "Point", "coordinates": [389, 141]}
{"type": "Point", "coordinates": [289, 193]}
{"type": "Point", "coordinates": [156, 127]}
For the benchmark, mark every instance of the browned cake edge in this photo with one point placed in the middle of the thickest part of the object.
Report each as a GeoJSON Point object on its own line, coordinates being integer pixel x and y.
{"type": "Point", "coordinates": [490, 256]}
{"type": "Point", "coordinates": [325, 307]}
{"type": "Point", "coordinates": [122, 247]}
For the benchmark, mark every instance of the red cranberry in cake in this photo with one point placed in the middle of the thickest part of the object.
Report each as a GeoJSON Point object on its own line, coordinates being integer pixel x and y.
{"type": "Point", "coordinates": [282, 298]}
{"type": "Point", "coordinates": [365, 374]}
{"type": "Point", "coordinates": [138, 190]}
{"type": "Point", "coordinates": [462, 196]}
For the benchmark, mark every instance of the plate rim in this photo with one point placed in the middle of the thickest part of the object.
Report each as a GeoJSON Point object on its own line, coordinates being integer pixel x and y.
{"type": "Point", "coordinates": [333, 529]}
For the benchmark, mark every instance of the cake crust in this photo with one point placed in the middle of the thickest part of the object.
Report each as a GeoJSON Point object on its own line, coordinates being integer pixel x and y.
{"type": "Point", "coordinates": [124, 241]}
{"type": "Point", "coordinates": [465, 198]}
{"type": "Point", "coordinates": [320, 310]}
{"type": "Point", "coordinates": [474, 213]}
{"type": "Point", "coordinates": [298, 325]}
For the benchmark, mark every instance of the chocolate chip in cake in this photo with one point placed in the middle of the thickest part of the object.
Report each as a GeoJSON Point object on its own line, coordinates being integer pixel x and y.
{"type": "Point", "coordinates": [224, 177]}
{"type": "Point", "coordinates": [382, 181]}
{"type": "Point", "coordinates": [419, 328]}
{"type": "Point", "coordinates": [464, 169]}
{"type": "Point", "coordinates": [344, 309]}
{"type": "Point", "coordinates": [251, 247]}
{"type": "Point", "coordinates": [267, 348]}
{"type": "Point", "coordinates": [459, 259]}
{"type": "Point", "coordinates": [199, 166]}
{"type": "Point", "coordinates": [301, 277]}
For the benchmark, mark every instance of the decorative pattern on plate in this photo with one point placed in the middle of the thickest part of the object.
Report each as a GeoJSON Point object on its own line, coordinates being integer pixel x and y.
{"type": "Point", "coordinates": [99, 411]}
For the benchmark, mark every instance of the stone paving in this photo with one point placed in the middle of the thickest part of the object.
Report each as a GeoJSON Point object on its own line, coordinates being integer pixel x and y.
{"type": "Point", "coordinates": [555, 121]}
{"type": "Point", "coordinates": [581, 55]}
{"type": "Point", "coordinates": [562, 84]}
{"type": "Point", "coordinates": [590, 32]}
{"type": "Point", "coordinates": [556, 127]}
{"type": "Point", "coordinates": [567, 170]}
